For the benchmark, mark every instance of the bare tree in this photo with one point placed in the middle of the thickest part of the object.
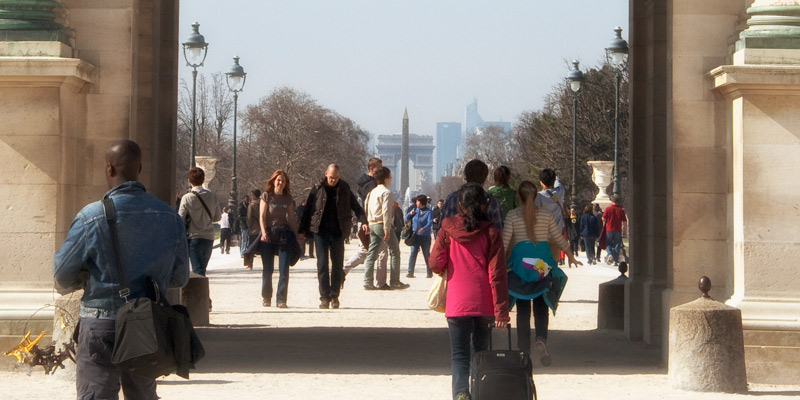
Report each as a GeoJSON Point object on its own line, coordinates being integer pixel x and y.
{"type": "Point", "coordinates": [290, 131]}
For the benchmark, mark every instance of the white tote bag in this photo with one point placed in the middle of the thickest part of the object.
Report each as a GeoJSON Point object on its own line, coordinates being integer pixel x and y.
{"type": "Point", "coordinates": [438, 293]}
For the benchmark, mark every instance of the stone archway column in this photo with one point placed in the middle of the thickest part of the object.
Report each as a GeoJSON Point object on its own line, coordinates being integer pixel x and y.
{"type": "Point", "coordinates": [762, 93]}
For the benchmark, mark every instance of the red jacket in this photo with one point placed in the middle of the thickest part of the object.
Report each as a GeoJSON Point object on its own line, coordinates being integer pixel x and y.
{"type": "Point", "coordinates": [477, 281]}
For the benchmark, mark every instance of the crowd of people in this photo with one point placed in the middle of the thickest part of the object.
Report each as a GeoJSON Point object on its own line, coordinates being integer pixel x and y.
{"type": "Point", "coordinates": [497, 249]}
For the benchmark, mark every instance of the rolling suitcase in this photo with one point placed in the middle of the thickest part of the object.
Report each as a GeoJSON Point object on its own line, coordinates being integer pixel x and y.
{"type": "Point", "coordinates": [502, 374]}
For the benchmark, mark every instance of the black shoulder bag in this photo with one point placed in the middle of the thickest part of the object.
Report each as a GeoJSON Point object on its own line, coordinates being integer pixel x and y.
{"type": "Point", "coordinates": [151, 339]}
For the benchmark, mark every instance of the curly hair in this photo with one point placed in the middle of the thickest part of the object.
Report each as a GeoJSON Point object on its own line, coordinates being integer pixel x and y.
{"type": "Point", "coordinates": [472, 198]}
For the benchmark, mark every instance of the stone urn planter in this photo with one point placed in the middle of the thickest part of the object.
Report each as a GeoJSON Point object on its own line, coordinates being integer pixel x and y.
{"type": "Point", "coordinates": [208, 165]}
{"type": "Point", "coordinates": [601, 176]}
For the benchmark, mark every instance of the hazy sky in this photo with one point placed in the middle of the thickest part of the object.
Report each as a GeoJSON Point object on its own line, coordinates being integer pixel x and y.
{"type": "Point", "coordinates": [369, 59]}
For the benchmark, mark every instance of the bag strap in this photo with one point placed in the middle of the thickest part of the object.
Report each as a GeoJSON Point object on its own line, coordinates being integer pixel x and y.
{"type": "Point", "coordinates": [204, 205]}
{"type": "Point", "coordinates": [111, 218]}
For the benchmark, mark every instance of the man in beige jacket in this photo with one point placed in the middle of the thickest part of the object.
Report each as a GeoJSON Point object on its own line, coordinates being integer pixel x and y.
{"type": "Point", "coordinates": [379, 205]}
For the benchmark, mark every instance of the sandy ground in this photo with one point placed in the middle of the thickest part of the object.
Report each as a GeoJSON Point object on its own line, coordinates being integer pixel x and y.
{"type": "Point", "coordinates": [383, 344]}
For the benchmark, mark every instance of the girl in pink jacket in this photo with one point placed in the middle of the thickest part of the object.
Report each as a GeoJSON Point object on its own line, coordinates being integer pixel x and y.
{"type": "Point", "coordinates": [470, 250]}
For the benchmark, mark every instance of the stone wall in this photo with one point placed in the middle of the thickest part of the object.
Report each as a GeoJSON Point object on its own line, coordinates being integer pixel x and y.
{"type": "Point", "coordinates": [109, 73]}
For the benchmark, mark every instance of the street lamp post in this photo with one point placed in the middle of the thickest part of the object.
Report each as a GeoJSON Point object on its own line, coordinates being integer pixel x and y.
{"type": "Point", "coordinates": [195, 50]}
{"type": "Point", "coordinates": [575, 80]}
{"type": "Point", "coordinates": [617, 50]}
{"type": "Point", "coordinates": [236, 78]}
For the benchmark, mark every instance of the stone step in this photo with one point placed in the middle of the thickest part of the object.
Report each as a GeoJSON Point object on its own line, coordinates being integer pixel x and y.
{"type": "Point", "coordinates": [771, 338]}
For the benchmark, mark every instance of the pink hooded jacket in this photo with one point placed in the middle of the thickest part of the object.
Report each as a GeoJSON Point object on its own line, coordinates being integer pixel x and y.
{"type": "Point", "coordinates": [477, 284]}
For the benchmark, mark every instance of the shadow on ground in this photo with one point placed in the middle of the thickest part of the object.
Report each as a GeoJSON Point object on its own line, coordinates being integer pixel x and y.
{"type": "Point", "coordinates": [409, 351]}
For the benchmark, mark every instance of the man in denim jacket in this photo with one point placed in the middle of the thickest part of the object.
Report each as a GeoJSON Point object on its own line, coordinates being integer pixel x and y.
{"type": "Point", "coordinates": [152, 244]}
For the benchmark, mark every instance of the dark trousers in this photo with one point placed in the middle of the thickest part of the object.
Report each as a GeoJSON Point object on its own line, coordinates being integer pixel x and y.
{"type": "Point", "coordinates": [589, 244]}
{"type": "Point", "coordinates": [97, 378]}
{"type": "Point", "coordinates": [468, 335]}
{"type": "Point", "coordinates": [541, 319]}
{"type": "Point", "coordinates": [199, 254]}
{"type": "Point", "coordinates": [225, 240]}
{"type": "Point", "coordinates": [330, 277]}
{"type": "Point", "coordinates": [421, 242]}
{"type": "Point", "coordinates": [268, 252]}
{"type": "Point", "coordinates": [573, 245]}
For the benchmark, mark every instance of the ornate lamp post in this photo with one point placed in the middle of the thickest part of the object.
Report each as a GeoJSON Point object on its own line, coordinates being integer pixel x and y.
{"type": "Point", "coordinates": [617, 50]}
{"type": "Point", "coordinates": [236, 78]}
{"type": "Point", "coordinates": [195, 50]}
{"type": "Point", "coordinates": [575, 80]}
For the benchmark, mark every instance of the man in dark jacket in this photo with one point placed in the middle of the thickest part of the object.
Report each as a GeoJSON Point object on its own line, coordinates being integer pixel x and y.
{"type": "Point", "coordinates": [328, 217]}
{"type": "Point", "coordinates": [241, 213]}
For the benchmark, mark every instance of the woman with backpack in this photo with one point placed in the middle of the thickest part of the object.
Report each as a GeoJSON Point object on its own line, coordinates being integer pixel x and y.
{"type": "Point", "coordinates": [534, 279]}
{"type": "Point", "coordinates": [469, 254]}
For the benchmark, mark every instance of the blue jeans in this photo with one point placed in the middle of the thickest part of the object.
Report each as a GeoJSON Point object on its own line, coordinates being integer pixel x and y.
{"type": "Point", "coordinates": [420, 242]}
{"type": "Point", "coordinates": [330, 278]}
{"type": "Point", "coordinates": [614, 244]}
{"type": "Point", "coordinates": [268, 252]}
{"type": "Point", "coordinates": [468, 335]}
{"type": "Point", "coordinates": [244, 242]}
{"type": "Point", "coordinates": [199, 254]}
{"type": "Point", "coordinates": [97, 378]}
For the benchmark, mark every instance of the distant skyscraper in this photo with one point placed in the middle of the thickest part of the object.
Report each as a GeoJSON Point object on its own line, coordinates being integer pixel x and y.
{"type": "Point", "coordinates": [502, 124]}
{"type": "Point", "coordinates": [472, 120]}
{"type": "Point", "coordinates": [448, 140]}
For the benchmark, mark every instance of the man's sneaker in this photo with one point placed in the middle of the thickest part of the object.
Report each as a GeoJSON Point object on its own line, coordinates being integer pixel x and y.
{"type": "Point", "coordinates": [369, 286]}
{"type": "Point", "coordinates": [384, 287]}
{"type": "Point", "coordinates": [266, 302]}
{"type": "Point", "coordinates": [282, 305]}
{"type": "Point", "coordinates": [400, 285]}
{"type": "Point", "coordinates": [463, 396]}
{"type": "Point", "coordinates": [335, 303]}
{"type": "Point", "coordinates": [324, 304]}
{"type": "Point", "coordinates": [409, 275]}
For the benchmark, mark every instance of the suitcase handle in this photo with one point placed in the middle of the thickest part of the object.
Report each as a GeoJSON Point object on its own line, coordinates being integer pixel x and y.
{"type": "Point", "coordinates": [508, 328]}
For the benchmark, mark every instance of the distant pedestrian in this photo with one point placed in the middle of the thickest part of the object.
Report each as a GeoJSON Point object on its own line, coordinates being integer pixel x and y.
{"type": "Point", "coordinates": [502, 191]}
{"type": "Point", "coordinates": [469, 253]}
{"type": "Point", "coordinates": [241, 219]}
{"type": "Point", "coordinates": [589, 231]}
{"type": "Point", "coordinates": [366, 183]}
{"type": "Point", "coordinates": [253, 228]}
{"type": "Point", "coordinates": [551, 199]}
{"type": "Point", "coordinates": [421, 219]}
{"type": "Point", "coordinates": [574, 230]}
{"type": "Point", "coordinates": [225, 231]}
{"type": "Point", "coordinates": [437, 218]}
{"type": "Point", "coordinates": [308, 242]}
{"type": "Point", "coordinates": [598, 213]}
{"type": "Point", "coordinates": [616, 224]}
{"type": "Point", "coordinates": [475, 171]}
{"type": "Point", "coordinates": [278, 234]}
{"type": "Point", "coordinates": [379, 206]}
{"type": "Point", "coordinates": [153, 245]}
{"type": "Point", "coordinates": [329, 207]}
{"type": "Point", "coordinates": [199, 210]}
{"type": "Point", "coordinates": [535, 280]}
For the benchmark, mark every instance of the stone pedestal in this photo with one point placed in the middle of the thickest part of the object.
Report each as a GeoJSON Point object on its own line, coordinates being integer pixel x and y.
{"type": "Point", "coordinates": [195, 297]}
{"type": "Point", "coordinates": [706, 347]}
{"type": "Point", "coordinates": [763, 102]}
{"type": "Point", "coordinates": [601, 176]}
{"type": "Point", "coordinates": [611, 304]}
{"type": "Point", "coordinates": [209, 166]}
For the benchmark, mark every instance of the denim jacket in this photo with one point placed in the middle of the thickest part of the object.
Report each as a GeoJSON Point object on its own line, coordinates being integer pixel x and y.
{"type": "Point", "coordinates": [152, 243]}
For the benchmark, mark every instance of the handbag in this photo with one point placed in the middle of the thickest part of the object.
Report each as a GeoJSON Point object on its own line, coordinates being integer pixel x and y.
{"type": "Point", "coordinates": [438, 294]}
{"type": "Point", "coordinates": [151, 338]}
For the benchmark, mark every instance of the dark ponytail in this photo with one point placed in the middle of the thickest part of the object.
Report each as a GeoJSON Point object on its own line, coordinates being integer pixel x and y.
{"type": "Point", "coordinates": [473, 199]}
